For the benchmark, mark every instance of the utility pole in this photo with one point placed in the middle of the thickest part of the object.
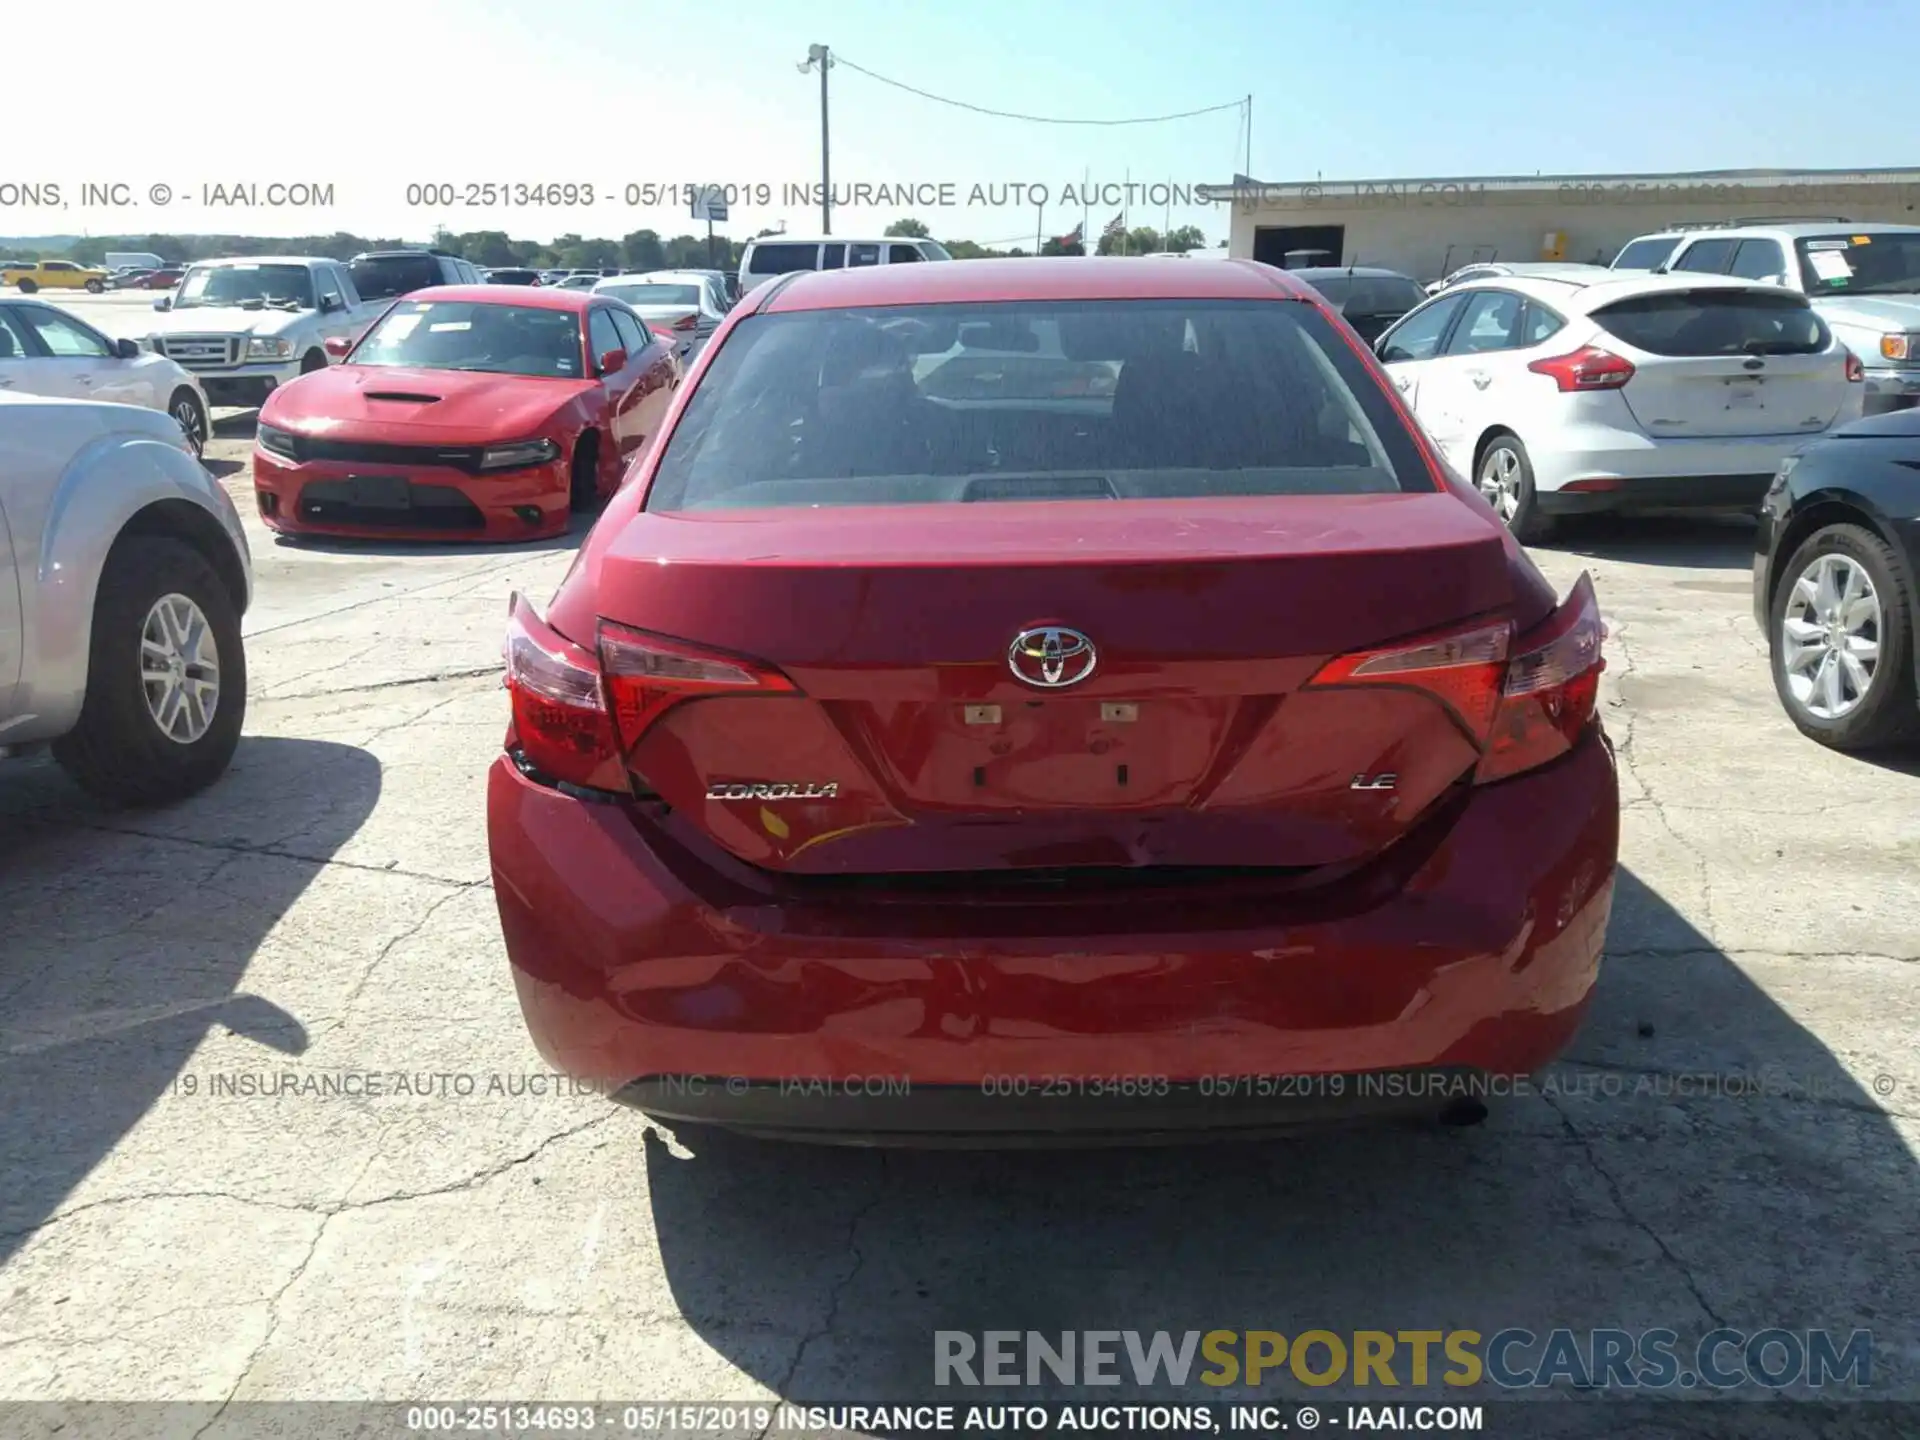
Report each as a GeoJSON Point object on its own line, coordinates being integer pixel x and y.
{"type": "Point", "coordinates": [821, 56]}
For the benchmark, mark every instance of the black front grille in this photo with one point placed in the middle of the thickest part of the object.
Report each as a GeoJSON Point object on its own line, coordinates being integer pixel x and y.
{"type": "Point", "coordinates": [428, 507]}
{"type": "Point", "coordinates": [347, 452]}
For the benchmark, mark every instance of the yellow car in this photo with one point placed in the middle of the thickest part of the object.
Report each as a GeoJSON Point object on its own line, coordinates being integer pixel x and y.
{"type": "Point", "coordinates": [52, 275]}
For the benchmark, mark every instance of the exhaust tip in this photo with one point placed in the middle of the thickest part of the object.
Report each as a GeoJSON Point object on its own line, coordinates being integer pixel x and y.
{"type": "Point", "coordinates": [1462, 1113]}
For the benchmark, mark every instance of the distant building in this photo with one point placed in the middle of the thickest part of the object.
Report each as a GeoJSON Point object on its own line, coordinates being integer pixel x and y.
{"type": "Point", "coordinates": [1426, 228]}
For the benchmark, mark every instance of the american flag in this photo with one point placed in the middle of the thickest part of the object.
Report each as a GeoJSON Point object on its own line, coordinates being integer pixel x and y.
{"type": "Point", "coordinates": [1115, 226]}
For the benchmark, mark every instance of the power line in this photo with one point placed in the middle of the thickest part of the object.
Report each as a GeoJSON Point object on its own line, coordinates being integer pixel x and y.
{"type": "Point", "coordinates": [1034, 119]}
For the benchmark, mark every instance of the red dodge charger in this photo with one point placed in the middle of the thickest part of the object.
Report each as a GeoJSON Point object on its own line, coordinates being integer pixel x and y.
{"type": "Point", "coordinates": [1050, 697]}
{"type": "Point", "coordinates": [468, 412]}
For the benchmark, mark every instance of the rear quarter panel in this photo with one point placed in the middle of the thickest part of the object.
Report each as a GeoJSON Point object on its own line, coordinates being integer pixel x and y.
{"type": "Point", "coordinates": [70, 481]}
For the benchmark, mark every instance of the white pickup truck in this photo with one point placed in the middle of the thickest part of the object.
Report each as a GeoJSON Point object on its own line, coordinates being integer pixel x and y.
{"type": "Point", "coordinates": [245, 327]}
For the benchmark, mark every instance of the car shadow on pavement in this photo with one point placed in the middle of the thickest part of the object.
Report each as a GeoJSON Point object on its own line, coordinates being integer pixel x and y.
{"type": "Point", "coordinates": [1641, 1183]}
{"type": "Point", "coordinates": [1689, 542]}
{"type": "Point", "coordinates": [125, 940]}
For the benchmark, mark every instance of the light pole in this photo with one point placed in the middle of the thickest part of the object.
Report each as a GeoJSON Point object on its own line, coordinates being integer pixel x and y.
{"type": "Point", "coordinates": [821, 56]}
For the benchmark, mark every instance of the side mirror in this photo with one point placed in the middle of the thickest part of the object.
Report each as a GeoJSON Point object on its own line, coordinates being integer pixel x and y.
{"type": "Point", "coordinates": [613, 361]}
{"type": "Point", "coordinates": [337, 347]}
{"type": "Point", "coordinates": [331, 303]}
{"type": "Point", "coordinates": [165, 302]}
{"type": "Point", "coordinates": [126, 349]}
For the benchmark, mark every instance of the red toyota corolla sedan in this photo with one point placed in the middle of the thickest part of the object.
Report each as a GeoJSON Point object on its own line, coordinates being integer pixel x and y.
{"type": "Point", "coordinates": [469, 412]}
{"type": "Point", "coordinates": [1050, 697]}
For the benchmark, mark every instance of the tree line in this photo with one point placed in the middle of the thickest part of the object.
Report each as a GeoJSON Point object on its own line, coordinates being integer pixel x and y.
{"type": "Point", "coordinates": [638, 251]}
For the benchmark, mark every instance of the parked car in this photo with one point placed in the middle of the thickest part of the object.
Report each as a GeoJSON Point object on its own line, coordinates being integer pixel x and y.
{"type": "Point", "coordinates": [163, 279]}
{"type": "Point", "coordinates": [29, 276]}
{"type": "Point", "coordinates": [511, 275]}
{"type": "Point", "coordinates": [1833, 589]}
{"type": "Point", "coordinates": [246, 327]}
{"type": "Point", "coordinates": [464, 413]}
{"type": "Point", "coordinates": [382, 275]}
{"type": "Point", "coordinates": [762, 259]}
{"type": "Point", "coordinates": [1864, 279]}
{"type": "Point", "coordinates": [124, 575]}
{"type": "Point", "coordinates": [46, 351]}
{"type": "Point", "coordinates": [1563, 397]}
{"type": "Point", "coordinates": [1367, 298]}
{"type": "Point", "coordinates": [686, 302]}
{"type": "Point", "coordinates": [578, 282]}
{"type": "Point", "coordinates": [745, 826]}
{"type": "Point", "coordinates": [122, 279]}
{"type": "Point", "coordinates": [1521, 269]}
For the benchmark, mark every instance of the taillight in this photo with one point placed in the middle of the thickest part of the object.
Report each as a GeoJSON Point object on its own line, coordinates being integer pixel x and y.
{"type": "Point", "coordinates": [561, 726]}
{"type": "Point", "coordinates": [647, 675]}
{"type": "Point", "coordinates": [1856, 372]}
{"type": "Point", "coordinates": [1523, 701]}
{"type": "Point", "coordinates": [1551, 689]}
{"type": "Point", "coordinates": [578, 712]}
{"type": "Point", "coordinates": [1588, 368]}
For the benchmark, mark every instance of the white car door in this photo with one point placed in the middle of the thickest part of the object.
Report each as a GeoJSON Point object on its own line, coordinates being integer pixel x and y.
{"type": "Point", "coordinates": [20, 372]}
{"type": "Point", "coordinates": [359, 314]}
{"type": "Point", "coordinates": [78, 360]}
{"type": "Point", "coordinates": [12, 633]}
{"type": "Point", "coordinates": [1466, 385]}
{"type": "Point", "coordinates": [1409, 347]}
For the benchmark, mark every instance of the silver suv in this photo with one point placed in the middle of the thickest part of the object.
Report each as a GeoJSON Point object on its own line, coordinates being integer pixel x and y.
{"type": "Point", "coordinates": [1863, 279]}
{"type": "Point", "coordinates": [123, 576]}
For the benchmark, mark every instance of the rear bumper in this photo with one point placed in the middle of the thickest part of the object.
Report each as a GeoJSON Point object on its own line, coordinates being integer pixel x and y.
{"type": "Point", "coordinates": [312, 499]}
{"type": "Point", "coordinates": [1891, 390]}
{"type": "Point", "coordinates": [1472, 949]}
{"type": "Point", "coordinates": [1707, 472]}
{"type": "Point", "coordinates": [1660, 492]}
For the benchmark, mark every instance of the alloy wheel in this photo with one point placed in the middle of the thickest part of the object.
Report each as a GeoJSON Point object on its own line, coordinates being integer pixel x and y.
{"type": "Point", "coordinates": [1500, 482]}
{"type": "Point", "coordinates": [1830, 636]}
{"type": "Point", "coordinates": [193, 421]}
{"type": "Point", "coordinates": [180, 668]}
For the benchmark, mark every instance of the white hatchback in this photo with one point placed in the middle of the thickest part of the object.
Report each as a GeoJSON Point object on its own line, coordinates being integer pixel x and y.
{"type": "Point", "coordinates": [1572, 395]}
{"type": "Point", "coordinates": [47, 351]}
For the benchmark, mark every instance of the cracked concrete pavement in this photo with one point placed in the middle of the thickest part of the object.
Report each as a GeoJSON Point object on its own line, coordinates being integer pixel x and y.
{"type": "Point", "coordinates": [181, 1217]}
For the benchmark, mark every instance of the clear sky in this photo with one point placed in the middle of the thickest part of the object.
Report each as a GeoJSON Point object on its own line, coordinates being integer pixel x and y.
{"type": "Point", "coordinates": [371, 97]}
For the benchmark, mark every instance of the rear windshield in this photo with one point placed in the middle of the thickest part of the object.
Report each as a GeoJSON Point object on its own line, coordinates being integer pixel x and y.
{"type": "Point", "coordinates": [1887, 263]}
{"type": "Point", "coordinates": [1370, 294]}
{"type": "Point", "coordinates": [1645, 254]}
{"type": "Point", "coordinates": [655, 295]}
{"type": "Point", "coordinates": [1034, 400]}
{"type": "Point", "coordinates": [385, 276]}
{"type": "Point", "coordinates": [1715, 322]}
{"type": "Point", "coordinates": [779, 259]}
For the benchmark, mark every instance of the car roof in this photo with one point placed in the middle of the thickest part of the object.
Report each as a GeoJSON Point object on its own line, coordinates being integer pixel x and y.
{"type": "Point", "coordinates": [656, 277]}
{"type": "Point", "coordinates": [1310, 273]}
{"type": "Point", "coordinates": [839, 240]}
{"type": "Point", "coordinates": [542, 297]}
{"type": "Point", "coordinates": [269, 260]}
{"type": "Point", "coordinates": [1581, 294]}
{"type": "Point", "coordinates": [1791, 230]}
{"type": "Point", "coordinates": [1029, 278]}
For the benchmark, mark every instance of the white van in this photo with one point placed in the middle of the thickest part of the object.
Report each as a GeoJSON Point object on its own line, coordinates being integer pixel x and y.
{"type": "Point", "coordinates": [773, 255]}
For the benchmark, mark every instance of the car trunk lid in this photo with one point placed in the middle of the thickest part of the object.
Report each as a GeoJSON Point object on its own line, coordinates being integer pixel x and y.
{"type": "Point", "coordinates": [914, 743]}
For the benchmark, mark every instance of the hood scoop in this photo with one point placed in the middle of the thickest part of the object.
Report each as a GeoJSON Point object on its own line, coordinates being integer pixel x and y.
{"type": "Point", "coordinates": [402, 397]}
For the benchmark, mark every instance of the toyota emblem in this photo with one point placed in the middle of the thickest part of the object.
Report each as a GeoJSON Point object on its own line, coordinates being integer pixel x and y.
{"type": "Point", "coordinates": [1051, 657]}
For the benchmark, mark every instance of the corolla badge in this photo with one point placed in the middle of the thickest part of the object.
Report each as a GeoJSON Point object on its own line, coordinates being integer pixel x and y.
{"type": "Point", "coordinates": [773, 790]}
{"type": "Point", "coordinates": [1051, 657]}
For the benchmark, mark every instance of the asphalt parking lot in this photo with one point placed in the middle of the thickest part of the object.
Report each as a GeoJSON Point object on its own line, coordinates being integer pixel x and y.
{"type": "Point", "coordinates": [325, 910]}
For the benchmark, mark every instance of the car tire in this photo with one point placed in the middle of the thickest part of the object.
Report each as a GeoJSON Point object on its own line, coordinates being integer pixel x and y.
{"type": "Point", "coordinates": [1504, 477]}
{"type": "Point", "coordinates": [27, 287]}
{"type": "Point", "coordinates": [119, 751]}
{"type": "Point", "coordinates": [191, 415]}
{"type": "Point", "coordinates": [95, 287]}
{"type": "Point", "coordinates": [1853, 561]}
{"type": "Point", "coordinates": [313, 360]}
{"type": "Point", "coordinates": [583, 488]}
